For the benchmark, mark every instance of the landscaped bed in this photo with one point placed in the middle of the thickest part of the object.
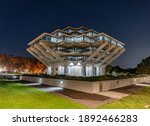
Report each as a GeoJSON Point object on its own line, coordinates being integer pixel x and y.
{"type": "Point", "coordinates": [92, 78]}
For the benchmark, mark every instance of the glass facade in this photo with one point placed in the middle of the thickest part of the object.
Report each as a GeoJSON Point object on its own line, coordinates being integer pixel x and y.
{"type": "Point", "coordinates": [74, 70]}
{"type": "Point", "coordinates": [60, 37]}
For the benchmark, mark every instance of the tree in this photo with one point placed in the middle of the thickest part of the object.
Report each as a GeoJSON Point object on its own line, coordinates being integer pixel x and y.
{"type": "Point", "coordinates": [21, 64]}
{"type": "Point", "coordinates": [116, 70]}
{"type": "Point", "coordinates": [144, 66]}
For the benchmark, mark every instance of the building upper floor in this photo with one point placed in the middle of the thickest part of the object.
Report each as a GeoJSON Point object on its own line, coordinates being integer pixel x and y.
{"type": "Point", "coordinates": [75, 35]}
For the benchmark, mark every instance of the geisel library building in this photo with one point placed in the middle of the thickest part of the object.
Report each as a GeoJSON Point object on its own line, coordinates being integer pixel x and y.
{"type": "Point", "coordinates": [76, 51]}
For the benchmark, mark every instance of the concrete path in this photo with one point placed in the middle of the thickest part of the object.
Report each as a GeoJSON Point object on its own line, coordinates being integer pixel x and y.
{"type": "Point", "coordinates": [46, 88]}
{"type": "Point", "coordinates": [89, 103]}
{"type": "Point", "coordinates": [91, 100]}
{"type": "Point", "coordinates": [51, 89]}
{"type": "Point", "coordinates": [145, 84]}
{"type": "Point", "coordinates": [113, 94]}
{"type": "Point", "coordinates": [14, 80]}
{"type": "Point", "coordinates": [32, 84]}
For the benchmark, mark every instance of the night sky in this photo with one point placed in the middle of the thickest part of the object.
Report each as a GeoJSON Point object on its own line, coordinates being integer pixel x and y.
{"type": "Point", "coordinates": [126, 20]}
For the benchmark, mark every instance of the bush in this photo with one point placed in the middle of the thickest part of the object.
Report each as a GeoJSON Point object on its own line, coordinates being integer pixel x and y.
{"type": "Point", "coordinates": [94, 78]}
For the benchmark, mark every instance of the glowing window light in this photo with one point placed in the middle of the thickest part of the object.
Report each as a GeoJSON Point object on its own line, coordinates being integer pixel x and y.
{"type": "Point", "coordinates": [0, 70]}
{"type": "Point", "coordinates": [40, 80]}
{"type": "Point", "coordinates": [71, 64]}
{"type": "Point", "coordinates": [15, 70]}
{"type": "Point", "coordinates": [78, 64]}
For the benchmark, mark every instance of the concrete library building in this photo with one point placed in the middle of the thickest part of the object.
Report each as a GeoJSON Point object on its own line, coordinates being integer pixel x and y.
{"type": "Point", "coordinates": [75, 51]}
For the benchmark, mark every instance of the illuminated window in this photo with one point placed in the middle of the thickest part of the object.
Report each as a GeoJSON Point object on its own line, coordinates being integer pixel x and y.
{"type": "Point", "coordinates": [48, 38]}
{"type": "Point", "coordinates": [91, 34]}
{"type": "Point", "coordinates": [71, 64]}
{"type": "Point", "coordinates": [69, 30]}
{"type": "Point", "coordinates": [81, 30]}
{"type": "Point", "coordinates": [99, 38]}
{"type": "Point", "coordinates": [106, 38]}
{"type": "Point", "coordinates": [118, 44]}
{"type": "Point", "coordinates": [113, 42]}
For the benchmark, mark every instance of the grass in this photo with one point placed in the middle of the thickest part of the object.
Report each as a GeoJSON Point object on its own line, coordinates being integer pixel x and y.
{"type": "Point", "coordinates": [16, 95]}
{"type": "Point", "coordinates": [137, 100]}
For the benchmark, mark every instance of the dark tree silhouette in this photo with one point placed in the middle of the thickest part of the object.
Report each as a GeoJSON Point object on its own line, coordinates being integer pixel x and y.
{"type": "Point", "coordinates": [144, 66]}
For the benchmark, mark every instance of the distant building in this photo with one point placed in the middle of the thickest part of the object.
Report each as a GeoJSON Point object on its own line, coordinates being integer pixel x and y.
{"type": "Point", "coordinates": [75, 51]}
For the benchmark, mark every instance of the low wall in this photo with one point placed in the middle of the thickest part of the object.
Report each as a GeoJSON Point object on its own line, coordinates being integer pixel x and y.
{"type": "Point", "coordinates": [86, 86]}
{"type": "Point", "coordinates": [112, 84]}
{"type": "Point", "coordinates": [83, 86]}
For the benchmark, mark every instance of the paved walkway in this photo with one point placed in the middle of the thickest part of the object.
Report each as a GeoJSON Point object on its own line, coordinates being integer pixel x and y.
{"type": "Point", "coordinates": [32, 84]}
{"type": "Point", "coordinates": [123, 91]}
{"type": "Point", "coordinates": [51, 89]}
{"type": "Point", "coordinates": [113, 94]}
{"type": "Point", "coordinates": [144, 84]}
{"type": "Point", "coordinates": [91, 100]}
{"type": "Point", "coordinates": [87, 102]}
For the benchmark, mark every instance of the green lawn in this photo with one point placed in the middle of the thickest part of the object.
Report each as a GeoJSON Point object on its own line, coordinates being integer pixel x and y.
{"type": "Point", "coordinates": [136, 100]}
{"type": "Point", "coordinates": [16, 95]}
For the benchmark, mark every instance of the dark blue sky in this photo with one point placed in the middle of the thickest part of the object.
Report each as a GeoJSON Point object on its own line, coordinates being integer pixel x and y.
{"type": "Point", "coordinates": [126, 20]}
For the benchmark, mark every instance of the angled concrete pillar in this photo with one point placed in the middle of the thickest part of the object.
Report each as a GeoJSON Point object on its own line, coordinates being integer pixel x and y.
{"type": "Point", "coordinates": [97, 71]}
{"type": "Point", "coordinates": [49, 70]}
{"type": "Point", "coordinates": [84, 70]}
{"type": "Point", "coordinates": [93, 70]}
{"type": "Point", "coordinates": [103, 70]}
{"type": "Point", "coordinates": [66, 70]}
{"type": "Point", "coordinates": [54, 70]}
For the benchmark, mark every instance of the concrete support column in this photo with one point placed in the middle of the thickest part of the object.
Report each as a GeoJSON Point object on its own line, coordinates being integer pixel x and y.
{"type": "Point", "coordinates": [66, 70]}
{"type": "Point", "coordinates": [103, 70]}
{"type": "Point", "coordinates": [54, 70]}
{"type": "Point", "coordinates": [97, 71]}
{"type": "Point", "coordinates": [84, 70]}
{"type": "Point", "coordinates": [93, 70]}
{"type": "Point", "coordinates": [49, 70]}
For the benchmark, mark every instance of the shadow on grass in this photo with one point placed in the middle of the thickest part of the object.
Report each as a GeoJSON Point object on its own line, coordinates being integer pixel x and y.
{"type": "Point", "coordinates": [9, 84]}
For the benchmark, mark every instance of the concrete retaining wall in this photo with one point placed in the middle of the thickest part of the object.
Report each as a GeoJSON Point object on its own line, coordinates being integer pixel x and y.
{"type": "Point", "coordinates": [83, 86]}
{"type": "Point", "coordinates": [86, 86]}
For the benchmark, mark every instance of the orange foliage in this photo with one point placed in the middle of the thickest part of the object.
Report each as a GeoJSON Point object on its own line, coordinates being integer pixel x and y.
{"type": "Point", "coordinates": [21, 64]}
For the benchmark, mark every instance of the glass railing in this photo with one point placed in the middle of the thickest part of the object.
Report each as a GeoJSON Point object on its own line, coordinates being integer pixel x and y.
{"type": "Point", "coordinates": [51, 39]}
{"type": "Point", "coordinates": [103, 37]}
{"type": "Point", "coordinates": [118, 44]}
{"type": "Point", "coordinates": [91, 34]}
{"type": "Point", "coordinates": [79, 39]}
{"type": "Point", "coordinates": [87, 39]}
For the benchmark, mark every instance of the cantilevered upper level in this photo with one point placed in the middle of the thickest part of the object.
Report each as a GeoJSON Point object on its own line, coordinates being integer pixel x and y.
{"type": "Point", "coordinates": [76, 47]}
{"type": "Point", "coordinates": [80, 34]}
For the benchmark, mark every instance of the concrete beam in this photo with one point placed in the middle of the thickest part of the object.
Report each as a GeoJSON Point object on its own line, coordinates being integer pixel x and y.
{"type": "Point", "coordinates": [115, 51]}
{"type": "Point", "coordinates": [95, 52]}
{"type": "Point", "coordinates": [117, 55]}
{"type": "Point", "coordinates": [47, 55]}
{"type": "Point", "coordinates": [38, 57]}
{"type": "Point", "coordinates": [103, 54]}
{"type": "Point", "coordinates": [45, 45]}
{"type": "Point", "coordinates": [39, 54]}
